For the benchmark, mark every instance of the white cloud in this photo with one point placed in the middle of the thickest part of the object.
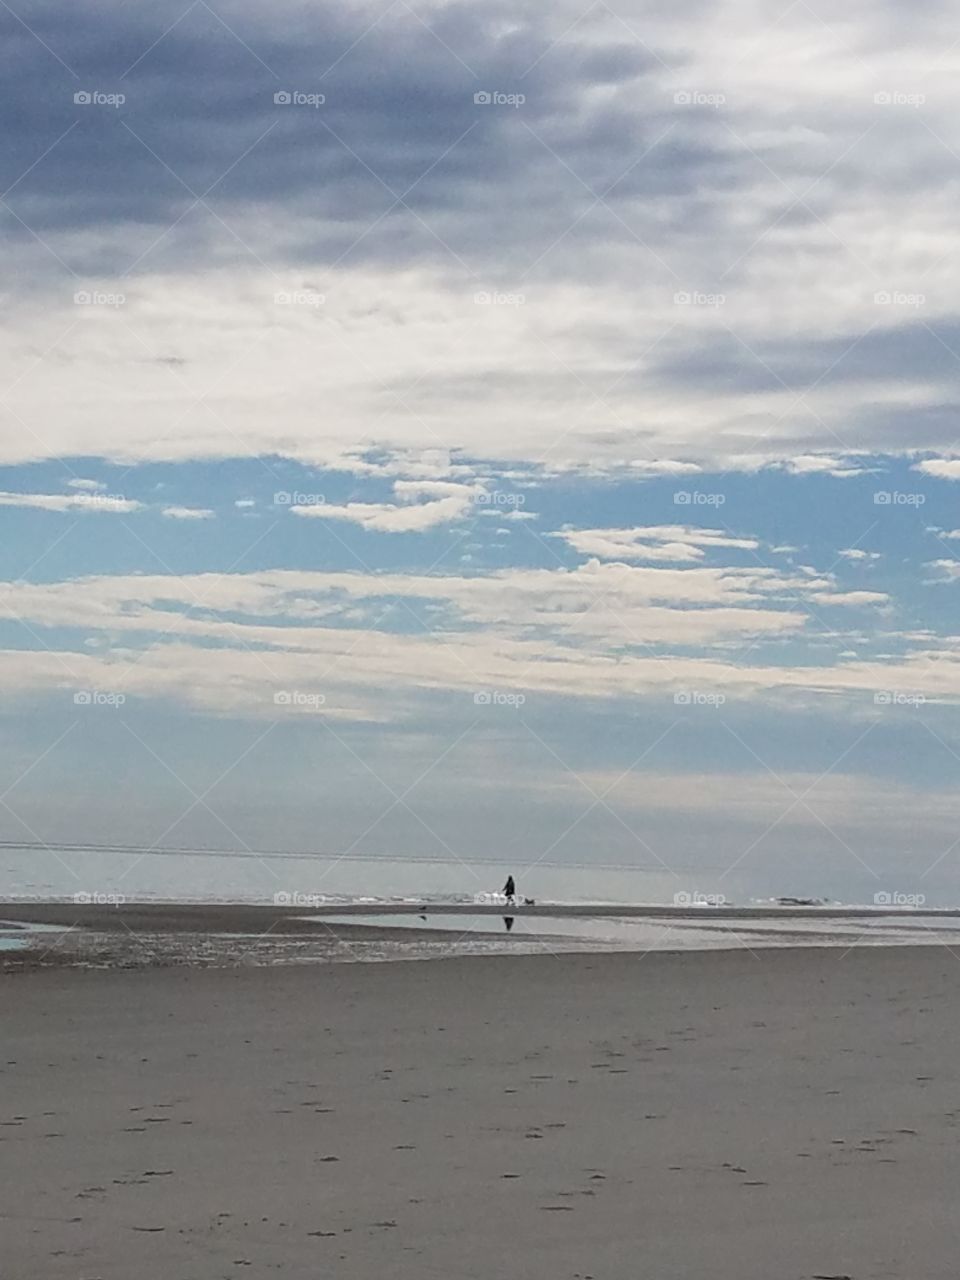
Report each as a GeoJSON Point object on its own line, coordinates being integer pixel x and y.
{"type": "Point", "coordinates": [515, 514]}
{"type": "Point", "coordinates": [188, 513]}
{"type": "Point", "coordinates": [71, 502]}
{"type": "Point", "coordinates": [582, 633]}
{"type": "Point", "coordinates": [822, 464]}
{"type": "Point", "coordinates": [508, 394]}
{"type": "Point", "coordinates": [664, 467]}
{"type": "Point", "coordinates": [91, 486]}
{"type": "Point", "coordinates": [852, 598]}
{"type": "Point", "coordinates": [676, 543]}
{"type": "Point", "coordinates": [855, 553]}
{"type": "Point", "coordinates": [943, 468]}
{"type": "Point", "coordinates": [410, 516]}
{"type": "Point", "coordinates": [949, 568]}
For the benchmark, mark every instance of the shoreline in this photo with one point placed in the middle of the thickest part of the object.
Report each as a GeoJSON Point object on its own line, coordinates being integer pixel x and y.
{"type": "Point", "coordinates": [57, 910]}
{"type": "Point", "coordinates": [205, 935]}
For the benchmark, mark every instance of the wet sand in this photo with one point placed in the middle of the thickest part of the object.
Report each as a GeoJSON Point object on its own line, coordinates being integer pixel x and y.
{"type": "Point", "coordinates": [149, 935]}
{"type": "Point", "coordinates": [792, 1115]}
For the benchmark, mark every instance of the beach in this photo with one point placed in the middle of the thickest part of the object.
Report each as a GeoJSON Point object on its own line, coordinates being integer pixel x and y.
{"type": "Point", "coordinates": [734, 1115]}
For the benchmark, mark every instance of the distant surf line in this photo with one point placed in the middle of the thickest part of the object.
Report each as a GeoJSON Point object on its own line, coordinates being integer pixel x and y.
{"type": "Point", "coordinates": [140, 851]}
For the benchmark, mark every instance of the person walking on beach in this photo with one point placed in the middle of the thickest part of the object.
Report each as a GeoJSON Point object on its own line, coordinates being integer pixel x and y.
{"type": "Point", "coordinates": [510, 890]}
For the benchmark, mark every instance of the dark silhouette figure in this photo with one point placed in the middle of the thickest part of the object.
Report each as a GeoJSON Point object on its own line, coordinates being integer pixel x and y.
{"type": "Point", "coordinates": [508, 921]}
{"type": "Point", "coordinates": [510, 890]}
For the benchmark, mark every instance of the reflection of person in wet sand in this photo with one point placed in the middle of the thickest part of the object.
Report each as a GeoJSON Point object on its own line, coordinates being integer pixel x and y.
{"type": "Point", "coordinates": [510, 890]}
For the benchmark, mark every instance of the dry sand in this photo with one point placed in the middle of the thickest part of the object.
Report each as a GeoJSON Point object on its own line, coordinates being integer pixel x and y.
{"type": "Point", "coordinates": [775, 1117]}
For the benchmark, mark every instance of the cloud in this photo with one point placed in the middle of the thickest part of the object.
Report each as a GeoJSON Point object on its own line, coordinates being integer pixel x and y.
{"type": "Point", "coordinates": [857, 554]}
{"type": "Point", "coordinates": [822, 464]}
{"type": "Point", "coordinates": [942, 468]}
{"type": "Point", "coordinates": [452, 502]}
{"type": "Point", "coordinates": [680, 308]}
{"type": "Point", "coordinates": [224, 642]}
{"type": "Point", "coordinates": [188, 513]}
{"type": "Point", "coordinates": [90, 486]}
{"type": "Point", "coordinates": [71, 502]}
{"type": "Point", "coordinates": [851, 598]}
{"type": "Point", "coordinates": [676, 543]}
{"type": "Point", "coordinates": [950, 569]}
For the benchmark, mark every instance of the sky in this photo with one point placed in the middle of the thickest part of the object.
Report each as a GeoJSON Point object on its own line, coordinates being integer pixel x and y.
{"type": "Point", "coordinates": [438, 435]}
